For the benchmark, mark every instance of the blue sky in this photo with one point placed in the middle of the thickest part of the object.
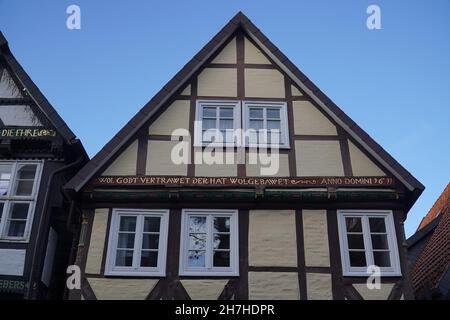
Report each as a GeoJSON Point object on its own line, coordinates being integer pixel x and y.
{"type": "Point", "coordinates": [394, 82]}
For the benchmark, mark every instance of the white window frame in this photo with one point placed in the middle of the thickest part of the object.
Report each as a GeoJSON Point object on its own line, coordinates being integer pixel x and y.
{"type": "Point", "coordinates": [395, 269]}
{"type": "Point", "coordinates": [160, 269]}
{"type": "Point", "coordinates": [284, 137]}
{"type": "Point", "coordinates": [10, 199]}
{"type": "Point", "coordinates": [209, 270]}
{"type": "Point", "coordinates": [198, 134]}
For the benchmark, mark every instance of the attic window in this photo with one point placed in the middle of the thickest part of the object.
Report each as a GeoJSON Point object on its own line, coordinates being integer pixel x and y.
{"type": "Point", "coordinates": [217, 123]}
{"type": "Point", "coordinates": [367, 238]}
{"type": "Point", "coordinates": [265, 124]}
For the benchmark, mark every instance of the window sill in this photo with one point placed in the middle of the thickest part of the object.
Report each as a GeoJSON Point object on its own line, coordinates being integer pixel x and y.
{"type": "Point", "coordinates": [366, 275]}
{"type": "Point", "coordinates": [209, 273]}
{"type": "Point", "coordinates": [135, 273]}
{"type": "Point", "coordinates": [201, 145]}
{"type": "Point", "coordinates": [15, 240]}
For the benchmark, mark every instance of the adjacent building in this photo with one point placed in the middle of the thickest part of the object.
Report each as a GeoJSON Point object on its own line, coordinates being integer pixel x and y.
{"type": "Point", "coordinates": [185, 203]}
{"type": "Point", "coordinates": [38, 155]}
{"type": "Point", "coordinates": [429, 252]}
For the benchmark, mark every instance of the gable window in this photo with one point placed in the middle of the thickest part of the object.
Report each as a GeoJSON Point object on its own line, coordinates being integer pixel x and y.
{"type": "Point", "coordinates": [209, 243]}
{"type": "Point", "coordinates": [367, 238]}
{"type": "Point", "coordinates": [19, 183]}
{"type": "Point", "coordinates": [137, 242]}
{"type": "Point", "coordinates": [265, 124]}
{"type": "Point", "coordinates": [217, 123]}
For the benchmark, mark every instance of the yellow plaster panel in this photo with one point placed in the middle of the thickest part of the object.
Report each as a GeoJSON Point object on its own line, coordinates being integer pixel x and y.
{"type": "Point", "coordinates": [121, 289]}
{"type": "Point", "coordinates": [218, 82]}
{"type": "Point", "coordinates": [228, 54]}
{"type": "Point", "coordinates": [253, 170]}
{"type": "Point", "coordinates": [318, 286]}
{"type": "Point", "coordinates": [264, 83]}
{"type": "Point", "coordinates": [175, 117]}
{"type": "Point", "coordinates": [223, 169]}
{"type": "Point", "coordinates": [273, 286]}
{"type": "Point", "coordinates": [97, 241]}
{"type": "Point", "coordinates": [318, 158]}
{"type": "Point", "coordinates": [159, 159]}
{"type": "Point", "coordinates": [204, 289]}
{"type": "Point", "coordinates": [186, 91]}
{"type": "Point", "coordinates": [295, 92]}
{"type": "Point", "coordinates": [272, 238]}
{"type": "Point", "coordinates": [315, 235]}
{"type": "Point", "coordinates": [309, 120]}
{"type": "Point", "coordinates": [253, 55]}
{"type": "Point", "coordinates": [361, 164]}
{"type": "Point", "coordinates": [125, 163]}
{"type": "Point", "coordinates": [374, 294]}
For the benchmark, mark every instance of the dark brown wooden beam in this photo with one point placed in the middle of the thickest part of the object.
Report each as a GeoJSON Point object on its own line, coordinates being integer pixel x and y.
{"type": "Point", "coordinates": [301, 254]}
{"type": "Point", "coordinates": [316, 137]}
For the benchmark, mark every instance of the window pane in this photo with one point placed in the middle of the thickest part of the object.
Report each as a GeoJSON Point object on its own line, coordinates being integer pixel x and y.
{"type": "Point", "coordinates": [256, 124]}
{"type": "Point", "coordinates": [256, 113]}
{"type": "Point", "coordinates": [221, 241]}
{"type": "Point", "coordinates": [380, 241]}
{"type": "Point", "coordinates": [16, 228]}
{"type": "Point", "coordinates": [221, 259]}
{"type": "Point", "coordinates": [382, 258]}
{"type": "Point", "coordinates": [127, 223]}
{"type": "Point", "coordinates": [27, 171]}
{"type": "Point", "coordinates": [353, 224]}
{"type": "Point", "coordinates": [355, 241]}
{"type": "Point", "coordinates": [252, 136]}
{"type": "Point", "coordinates": [24, 188]}
{"type": "Point", "coordinates": [208, 136]}
{"type": "Point", "coordinates": [150, 241]}
{"type": "Point", "coordinates": [273, 113]}
{"type": "Point", "coordinates": [209, 112]}
{"type": "Point", "coordinates": [222, 224]}
{"type": "Point", "coordinates": [124, 258]}
{"type": "Point", "coordinates": [2, 205]}
{"type": "Point", "coordinates": [229, 135]}
{"type": "Point", "coordinates": [151, 224]}
{"type": "Point", "coordinates": [274, 124]}
{"type": "Point", "coordinates": [5, 177]}
{"type": "Point", "coordinates": [275, 138]}
{"type": "Point", "coordinates": [208, 124]}
{"type": "Point", "coordinates": [197, 224]}
{"type": "Point", "coordinates": [226, 124]}
{"type": "Point", "coordinates": [19, 210]}
{"type": "Point", "coordinates": [126, 240]}
{"type": "Point", "coordinates": [149, 259]}
{"type": "Point", "coordinates": [196, 258]}
{"type": "Point", "coordinates": [357, 258]}
{"type": "Point", "coordinates": [377, 225]}
{"type": "Point", "coordinates": [226, 112]}
{"type": "Point", "coordinates": [197, 241]}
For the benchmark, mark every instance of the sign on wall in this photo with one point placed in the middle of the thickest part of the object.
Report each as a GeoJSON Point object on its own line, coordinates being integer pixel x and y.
{"type": "Point", "coordinates": [246, 182]}
{"type": "Point", "coordinates": [21, 132]}
{"type": "Point", "coordinates": [12, 285]}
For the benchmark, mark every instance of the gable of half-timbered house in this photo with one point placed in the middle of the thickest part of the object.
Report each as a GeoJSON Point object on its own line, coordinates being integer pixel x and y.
{"type": "Point", "coordinates": [232, 227]}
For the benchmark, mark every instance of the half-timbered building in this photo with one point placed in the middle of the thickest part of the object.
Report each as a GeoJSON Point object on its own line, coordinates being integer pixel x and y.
{"type": "Point", "coordinates": [38, 155]}
{"type": "Point", "coordinates": [185, 203]}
